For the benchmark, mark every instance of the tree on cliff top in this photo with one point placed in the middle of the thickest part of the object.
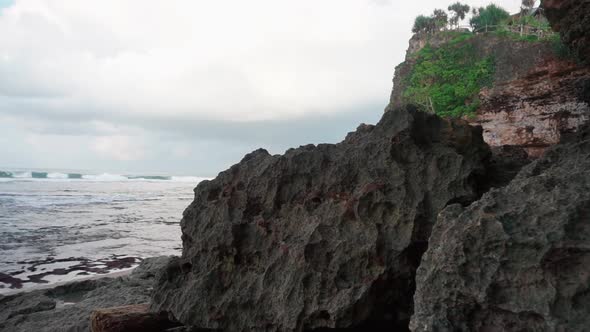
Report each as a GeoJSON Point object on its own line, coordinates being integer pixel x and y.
{"type": "Point", "coordinates": [528, 5]}
{"type": "Point", "coordinates": [441, 19]}
{"type": "Point", "coordinates": [430, 24]}
{"type": "Point", "coordinates": [423, 24]}
{"type": "Point", "coordinates": [487, 17]}
{"type": "Point", "coordinates": [460, 10]}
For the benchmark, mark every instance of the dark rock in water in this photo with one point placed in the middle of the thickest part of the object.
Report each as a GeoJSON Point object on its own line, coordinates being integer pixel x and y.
{"type": "Point", "coordinates": [10, 280]}
{"type": "Point", "coordinates": [323, 236]}
{"type": "Point", "coordinates": [68, 307]}
{"type": "Point", "coordinates": [519, 258]}
{"type": "Point", "coordinates": [572, 19]}
{"type": "Point", "coordinates": [82, 265]}
{"type": "Point", "coordinates": [130, 318]}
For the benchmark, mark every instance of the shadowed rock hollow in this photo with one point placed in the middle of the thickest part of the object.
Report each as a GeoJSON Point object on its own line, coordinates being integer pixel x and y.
{"type": "Point", "coordinates": [518, 259]}
{"type": "Point", "coordinates": [323, 236]}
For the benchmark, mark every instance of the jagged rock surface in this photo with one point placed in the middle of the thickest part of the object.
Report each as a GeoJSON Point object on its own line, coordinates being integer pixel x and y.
{"type": "Point", "coordinates": [519, 258]}
{"type": "Point", "coordinates": [68, 307]}
{"type": "Point", "coordinates": [323, 236]}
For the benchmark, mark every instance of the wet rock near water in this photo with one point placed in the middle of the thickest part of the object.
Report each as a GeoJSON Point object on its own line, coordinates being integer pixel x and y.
{"type": "Point", "coordinates": [68, 307]}
{"type": "Point", "coordinates": [323, 236]}
{"type": "Point", "coordinates": [36, 272]}
{"type": "Point", "coordinates": [516, 260]}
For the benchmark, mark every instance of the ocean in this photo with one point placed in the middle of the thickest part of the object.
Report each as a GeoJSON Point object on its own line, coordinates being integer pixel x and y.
{"type": "Point", "coordinates": [58, 226]}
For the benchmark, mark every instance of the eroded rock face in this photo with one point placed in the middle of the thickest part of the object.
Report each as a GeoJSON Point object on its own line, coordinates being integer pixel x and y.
{"type": "Point", "coordinates": [534, 110]}
{"type": "Point", "coordinates": [323, 236]}
{"type": "Point", "coordinates": [572, 19]}
{"type": "Point", "coordinates": [519, 258]}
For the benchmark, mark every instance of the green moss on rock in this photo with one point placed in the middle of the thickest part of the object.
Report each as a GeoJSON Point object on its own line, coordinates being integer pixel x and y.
{"type": "Point", "coordinates": [447, 79]}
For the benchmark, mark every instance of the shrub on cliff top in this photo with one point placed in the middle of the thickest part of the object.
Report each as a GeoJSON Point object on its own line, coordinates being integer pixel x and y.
{"type": "Point", "coordinates": [423, 24]}
{"type": "Point", "coordinates": [447, 80]}
{"type": "Point", "coordinates": [459, 10]}
{"type": "Point", "coordinates": [430, 24]}
{"type": "Point", "coordinates": [489, 16]}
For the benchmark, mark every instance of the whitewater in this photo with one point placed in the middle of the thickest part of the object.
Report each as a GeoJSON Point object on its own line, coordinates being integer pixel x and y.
{"type": "Point", "coordinates": [57, 226]}
{"type": "Point", "coordinates": [20, 175]}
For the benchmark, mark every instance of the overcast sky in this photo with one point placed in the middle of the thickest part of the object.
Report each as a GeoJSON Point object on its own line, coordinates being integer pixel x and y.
{"type": "Point", "coordinates": [190, 86]}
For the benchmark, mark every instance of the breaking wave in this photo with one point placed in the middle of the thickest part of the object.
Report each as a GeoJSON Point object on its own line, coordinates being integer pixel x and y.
{"type": "Point", "coordinates": [107, 177]}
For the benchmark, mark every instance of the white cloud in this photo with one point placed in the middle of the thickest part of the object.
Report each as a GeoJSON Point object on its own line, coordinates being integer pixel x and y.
{"type": "Point", "coordinates": [238, 60]}
{"type": "Point", "coordinates": [196, 60]}
{"type": "Point", "coordinates": [121, 148]}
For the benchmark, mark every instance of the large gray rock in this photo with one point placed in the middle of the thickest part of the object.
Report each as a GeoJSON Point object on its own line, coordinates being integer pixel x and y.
{"type": "Point", "coordinates": [323, 236]}
{"type": "Point", "coordinates": [572, 19]}
{"type": "Point", "coordinates": [68, 307]}
{"type": "Point", "coordinates": [519, 258]}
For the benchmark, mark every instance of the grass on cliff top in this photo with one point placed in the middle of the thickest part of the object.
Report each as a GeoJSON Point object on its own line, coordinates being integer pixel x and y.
{"type": "Point", "coordinates": [447, 80]}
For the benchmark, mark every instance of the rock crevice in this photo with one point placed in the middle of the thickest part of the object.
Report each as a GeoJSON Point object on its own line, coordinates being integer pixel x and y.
{"type": "Point", "coordinates": [518, 258]}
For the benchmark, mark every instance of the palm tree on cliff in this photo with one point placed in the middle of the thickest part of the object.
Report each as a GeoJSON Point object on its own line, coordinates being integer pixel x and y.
{"type": "Point", "coordinates": [423, 24]}
{"type": "Point", "coordinates": [460, 10]}
{"type": "Point", "coordinates": [527, 6]}
{"type": "Point", "coordinates": [440, 18]}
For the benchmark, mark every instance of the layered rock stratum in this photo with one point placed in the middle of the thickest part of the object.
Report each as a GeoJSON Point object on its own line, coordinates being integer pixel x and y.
{"type": "Point", "coordinates": [537, 94]}
{"type": "Point", "coordinates": [325, 236]}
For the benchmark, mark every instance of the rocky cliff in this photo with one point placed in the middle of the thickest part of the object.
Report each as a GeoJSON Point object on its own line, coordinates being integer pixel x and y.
{"type": "Point", "coordinates": [570, 18]}
{"type": "Point", "coordinates": [535, 109]}
{"type": "Point", "coordinates": [325, 236]}
{"type": "Point", "coordinates": [537, 94]}
{"type": "Point", "coordinates": [389, 224]}
{"type": "Point", "coordinates": [394, 228]}
{"type": "Point", "coordinates": [518, 259]}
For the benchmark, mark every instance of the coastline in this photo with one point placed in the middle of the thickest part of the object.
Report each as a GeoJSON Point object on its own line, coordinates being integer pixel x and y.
{"type": "Point", "coordinates": [67, 306]}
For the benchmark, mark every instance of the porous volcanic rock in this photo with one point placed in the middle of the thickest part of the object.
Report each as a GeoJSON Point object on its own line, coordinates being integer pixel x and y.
{"type": "Point", "coordinates": [572, 19]}
{"type": "Point", "coordinates": [519, 258]}
{"type": "Point", "coordinates": [323, 236]}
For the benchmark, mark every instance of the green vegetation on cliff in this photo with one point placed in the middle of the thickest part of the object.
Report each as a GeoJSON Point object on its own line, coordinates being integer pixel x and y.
{"type": "Point", "coordinates": [489, 16]}
{"type": "Point", "coordinates": [447, 80]}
